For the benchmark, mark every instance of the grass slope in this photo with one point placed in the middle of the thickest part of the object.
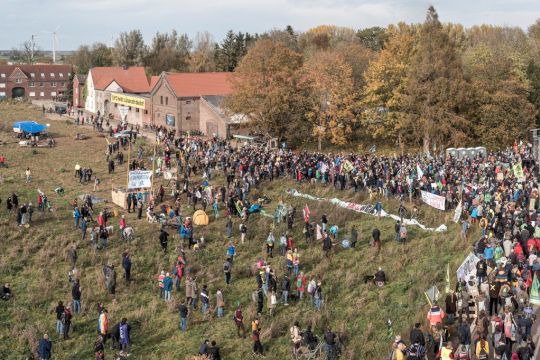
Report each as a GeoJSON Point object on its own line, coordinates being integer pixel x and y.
{"type": "Point", "coordinates": [34, 261]}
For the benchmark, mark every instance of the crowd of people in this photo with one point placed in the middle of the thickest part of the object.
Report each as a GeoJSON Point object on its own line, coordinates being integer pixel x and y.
{"type": "Point", "coordinates": [487, 316]}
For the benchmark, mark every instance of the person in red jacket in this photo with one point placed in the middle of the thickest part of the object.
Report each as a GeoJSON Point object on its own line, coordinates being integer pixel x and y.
{"type": "Point", "coordinates": [435, 315]}
{"type": "Point", "coordinates": [518, 250]}
{"type": "Point", "coordinates": [531, 246]}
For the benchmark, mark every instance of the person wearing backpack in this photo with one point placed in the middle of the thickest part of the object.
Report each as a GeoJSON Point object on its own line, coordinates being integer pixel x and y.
{"type": "Point", "coordinates": [227, 268]}
{"type": "Point", "coordinates": [447, 352]}
{"type": "Point", "coordinates": [524, 351]}
{"type": "Point", "coordinates": [416, 352]}
{"type": "Point", "coordinates": [482, 349]}
{"type": "Point", "coordinates": [463, 353]}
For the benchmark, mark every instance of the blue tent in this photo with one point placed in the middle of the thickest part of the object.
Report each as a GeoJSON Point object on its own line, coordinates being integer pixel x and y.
{"type": "Point", "coordinates": [29, 127]}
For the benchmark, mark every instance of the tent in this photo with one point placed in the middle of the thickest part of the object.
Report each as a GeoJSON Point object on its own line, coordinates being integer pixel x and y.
{"type": "Point", "coordinates": [29, 127]}
{"type": "Point", "coordinates": [200, 218]}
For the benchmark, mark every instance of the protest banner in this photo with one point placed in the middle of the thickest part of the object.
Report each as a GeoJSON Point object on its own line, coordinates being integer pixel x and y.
{"type": "Point", "coordinates": [433, 200]}
{"type": "Point", "coordinates": [140, 179]}
{"type": "Point", "coordinates": [467, 267]}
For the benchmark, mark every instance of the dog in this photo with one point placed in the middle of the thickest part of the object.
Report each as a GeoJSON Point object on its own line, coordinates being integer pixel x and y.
{"type": "Point", "coordinates": [128, 233]}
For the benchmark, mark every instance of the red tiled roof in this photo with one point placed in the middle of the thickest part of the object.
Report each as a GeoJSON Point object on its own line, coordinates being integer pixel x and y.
{"type": "Point", "coordinates": [199, 84]}
{"type": "Point", "coordinates": [38, 69]}
{"type": "Point", "coordinates": [132, 79]}
{"type": "Point", "coordinates": [153, 81]}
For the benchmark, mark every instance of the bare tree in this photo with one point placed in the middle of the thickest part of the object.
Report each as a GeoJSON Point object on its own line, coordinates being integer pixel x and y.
{"type": "Point", "coordinates": [129, 48]}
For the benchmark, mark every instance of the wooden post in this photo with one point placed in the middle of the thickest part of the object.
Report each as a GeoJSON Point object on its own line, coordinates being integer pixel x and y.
{"type": "Point", "coordinates": [129, 164]}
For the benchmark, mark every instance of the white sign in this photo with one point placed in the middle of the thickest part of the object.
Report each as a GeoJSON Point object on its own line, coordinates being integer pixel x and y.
{"type": "Point", "coordinates": [467, 267]}
{"type": "Point", "coordinates": [140, 179]}
{"type": "Point", "coordinates": [433, 200]}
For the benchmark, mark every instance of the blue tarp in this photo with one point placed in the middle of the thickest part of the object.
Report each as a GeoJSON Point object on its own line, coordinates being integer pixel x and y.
{"type": "Point", "coordinates": [30, 127]}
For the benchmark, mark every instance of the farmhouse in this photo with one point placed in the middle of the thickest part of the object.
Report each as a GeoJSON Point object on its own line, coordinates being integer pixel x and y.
{"type": "Point", "coordinates": [35, 82]}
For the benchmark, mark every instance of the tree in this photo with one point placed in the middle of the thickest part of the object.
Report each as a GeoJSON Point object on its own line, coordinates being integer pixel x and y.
{"type": "Point", "coordinates": [434, 90]}
{"type": "Point", "coordinates": [27, 53]}
{"type": "Point", "coordinates": [384, 113]}
{"type": "Point", "coordinates": [231, 50]}
{"type": "Point", "coordinates": [129, 49]}
{"type": "Point", "coordinates": [168, 52]}
{"type": "Point", "coordinates": [373, 38]}
{"type": "Point", "coordinates": [287, 37]}
{"type": "Point", "coordinates": [87, 57]}
{"type": "Point", "coordinates": [202, 57]}
{"type": "Point", "coordinates": [533, 73]}
{"type": "Point", "coordinates": [332, 111]}
{"type": "Point", "coordinates": [270, 87]}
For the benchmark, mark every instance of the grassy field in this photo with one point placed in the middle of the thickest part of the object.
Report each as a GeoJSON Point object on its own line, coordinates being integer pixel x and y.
{"type": "Point", "coordinates": [34, 261]}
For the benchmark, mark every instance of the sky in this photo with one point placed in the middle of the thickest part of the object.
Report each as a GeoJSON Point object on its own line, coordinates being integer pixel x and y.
{"type": "Point", "coordinates": [79, 22]}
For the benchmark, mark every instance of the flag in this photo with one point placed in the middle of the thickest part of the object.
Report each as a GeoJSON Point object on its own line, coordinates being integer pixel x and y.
{"type": "Point", "coordinates": [457, 212]}
{"type": "Point", "coordinates": [447, 289]}
{"type": "Point", "coordinates": [306, 213]}
{"type": "Point", "coordinates": [419, 172]}
{"type": "Point", "coordinates": [535, 297]}
{"type": "Point", "coordinates": [518, 171]}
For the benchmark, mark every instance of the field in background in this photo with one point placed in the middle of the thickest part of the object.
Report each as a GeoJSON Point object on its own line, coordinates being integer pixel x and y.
{"type": "Point", "coordinates": [34, 261]}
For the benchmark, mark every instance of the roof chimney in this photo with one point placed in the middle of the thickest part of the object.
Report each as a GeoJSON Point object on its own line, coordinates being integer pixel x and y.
{"type": "Point", "coordinates": [125, 67]}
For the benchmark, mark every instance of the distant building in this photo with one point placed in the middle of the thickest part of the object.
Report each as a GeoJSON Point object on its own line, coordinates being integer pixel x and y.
{"type": "Point", "coordinates": [35, 82]}
{"type": "Point", "coordinates": [191, 102]}
{"type": "Point", "coordinates": [78, 90]}
{"type": "Point", "coordinates": [120, 92]}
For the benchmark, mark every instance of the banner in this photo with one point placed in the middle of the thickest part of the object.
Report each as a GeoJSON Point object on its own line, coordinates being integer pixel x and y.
{"type": "Point", "coordinates": [366, 209]}
{"type": "Point", "coordinates": [433, 200]}
{"type": "Point", "coordinates": [535, 297]}
{"type": "Point", "coordinates": [347, 166]}
{"type": "Point", "coordinates": [127, 100]}
{"type": "Point", "coordinates": [140, 179]}
{"type": "Point", "coordinates": [467, 267]}
{"type": "Point", "coordinates": [419, 172]}
{"type": "Point", "coordinates": [518, 171]}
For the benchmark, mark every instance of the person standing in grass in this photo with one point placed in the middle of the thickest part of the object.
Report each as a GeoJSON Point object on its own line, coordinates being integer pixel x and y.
{"type": "Point", "coordinates": [231, 251]}
{"type": "Point", "coordinates": [167, 287]}
{"type": "Point", "coordinates": [243, 231]}
{"type": "Point", "coordinates": [45, 348]}
{"type": "Point", "coordinates": [227, 270]}
{"type": "Point", "coordinates": [126, 264]}
{"type": "Point", "coordinates": [183, 312]}
{"type": "Point", "coordinates": [239, 322]}
{"type": "Point", "coordinates": [66, 322]}
{"type": "Point", "coordinates": [76, 295]}
{"type": "Point", "coordinates": [220, 303]}
{"type": "Point", "coordinates": [125, 335]}
{"type": "Point", "coordinates": [84, 227]}
{"type": "Point", "coordinates": [59, 312]}
{"type": "Point", "coordinates": [28, 175]}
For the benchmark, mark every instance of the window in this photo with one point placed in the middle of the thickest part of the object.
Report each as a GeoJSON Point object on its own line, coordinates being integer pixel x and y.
{"type": "Point", "coordinates": [53, 93]}
{"type": "Point", "coordinates": [62, 84]}
{"type": "Point", "coordinates": [32, 84]}
{"type": "Point", "coordinates": [69, 74]}
{"type": "Point", "coordinates": [42, 75]}
{"type": "Point", "coordinates": [41, 93]}
{"type": "Point", "coordinates": [41, 84]}
{"type": "Point", "coordinates": [145, 112]}
{"type": "Point", "coordinates": [2, 94]}
{"type": "Point", "coordinates": [2, 85]}
{"type": "Point", "coordinates": [3, 75]}
{"type": "Point", "coordinates": [32, 94]}
{"type": "Point", "coordinates": [52, 74]}
{"type": "Point", "coordinates": [53, 84]}
{"type": "Point", "coordinates": [61, 75]}
{"type": "Point", "coordinates": [161, 100]}
{"type": "Point", "coordinates": [166, 100]}
{"type": "Point", "coordinates": [137, 110]}
{"type": "Point", "coordinates": [188, 117]}
{"type": "Point", "coordinates": [18, 81]}
{"type": "Point", "coordinates": [188, 102]}
{"type": "Point", "coordinates": [32, 75]}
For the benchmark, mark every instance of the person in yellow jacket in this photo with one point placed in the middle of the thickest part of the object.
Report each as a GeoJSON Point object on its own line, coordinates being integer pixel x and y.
{"type": "Point", "coordinates": [482, 349]}
{"type": "Point", "coordinates": [400, 351]}
{"type": "Point", "coordinates": [447, 351]}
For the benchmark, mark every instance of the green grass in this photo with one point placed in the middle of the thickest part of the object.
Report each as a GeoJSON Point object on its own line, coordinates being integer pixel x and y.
{"type": "Point", "coordinates": [34, 261]}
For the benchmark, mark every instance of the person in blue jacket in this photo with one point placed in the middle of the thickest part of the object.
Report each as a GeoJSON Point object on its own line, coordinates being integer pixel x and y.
{"type": "Point", "coordinates": [45, 348]}
{"type": "Point", "coordinates": [167, 286]}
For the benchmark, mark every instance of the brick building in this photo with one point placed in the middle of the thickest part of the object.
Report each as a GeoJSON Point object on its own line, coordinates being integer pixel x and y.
{"type": "Point", "coordinates": [78, 90]}
{"type": "Point", "coordinates": [191, 101]}
{"type": "Point", "coordinates": [119, 92]}
{"type": "Point", "coordinates": [35, 82]}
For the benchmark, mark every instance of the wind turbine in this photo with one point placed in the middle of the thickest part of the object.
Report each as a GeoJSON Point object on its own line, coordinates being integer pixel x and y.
{"type": "Point", "coordinates": [54, 41]}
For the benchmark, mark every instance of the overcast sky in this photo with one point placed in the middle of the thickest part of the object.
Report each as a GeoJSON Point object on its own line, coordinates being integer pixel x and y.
{"type": "Point", "coordinates": [88, 21]}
